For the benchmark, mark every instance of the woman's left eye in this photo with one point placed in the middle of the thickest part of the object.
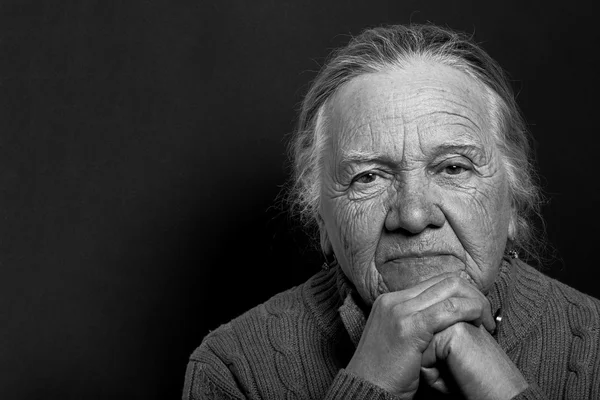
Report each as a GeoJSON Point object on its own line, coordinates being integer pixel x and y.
{"type": "Point", "coordinates": [455, 169]}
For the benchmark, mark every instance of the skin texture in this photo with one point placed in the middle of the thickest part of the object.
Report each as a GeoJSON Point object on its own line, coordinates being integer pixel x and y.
{"type": "Point", "coordinates": [415, 205]}
{"type": "Point", "coordinates": [413, 184]}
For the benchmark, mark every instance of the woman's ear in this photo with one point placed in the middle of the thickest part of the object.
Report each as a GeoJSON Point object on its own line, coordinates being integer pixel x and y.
{"type": "Point", "coordinates": [324, 241]}
{"type": "Point", "coordinates": [326, 246]}
{"type": "Point", "coordinates": [512, 226]}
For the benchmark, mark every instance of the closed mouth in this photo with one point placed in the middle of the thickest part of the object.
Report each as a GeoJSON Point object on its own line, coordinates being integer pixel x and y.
{"type": "Point", "coordinates": [418, 256]}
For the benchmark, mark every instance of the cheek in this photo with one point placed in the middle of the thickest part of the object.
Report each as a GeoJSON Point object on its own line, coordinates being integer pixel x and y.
{"type": "Point", "coordinates": [355, 230]}
{"type": "Point", "coordinates": [482, 209]}
{"type": "Point", "coordinates": [357, 226]}
{"type": "Point", "coordinates": [480, 220]}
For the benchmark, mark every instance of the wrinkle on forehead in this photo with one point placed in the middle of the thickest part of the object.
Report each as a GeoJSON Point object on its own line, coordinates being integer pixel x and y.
{"type": "Point", "coordinates": [360, 108]}
{"type": "Point", "coordinates": [370, 111]}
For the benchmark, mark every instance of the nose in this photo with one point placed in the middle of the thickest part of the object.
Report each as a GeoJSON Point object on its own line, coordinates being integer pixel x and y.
{"type": "Point", "coordinates": [415, 208]}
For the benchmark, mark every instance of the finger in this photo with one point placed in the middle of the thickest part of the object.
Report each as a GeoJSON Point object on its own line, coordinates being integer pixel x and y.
{"type": "Point", "coordinates": [452, 287]}
{"type": "Point", "coordinates": [451, 310]}
{"type": "Point", "coordinates": [407, 294]}
{"type": "Point", "coordinates": [429, 357]}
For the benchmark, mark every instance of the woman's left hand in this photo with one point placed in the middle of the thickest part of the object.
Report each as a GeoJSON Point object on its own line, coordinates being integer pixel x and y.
{"type": "Point", "coordinates": [479, 367]}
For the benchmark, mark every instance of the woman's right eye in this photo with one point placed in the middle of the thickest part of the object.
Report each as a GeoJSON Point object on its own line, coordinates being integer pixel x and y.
{"type": "Point", "coordinates": [364, 178]}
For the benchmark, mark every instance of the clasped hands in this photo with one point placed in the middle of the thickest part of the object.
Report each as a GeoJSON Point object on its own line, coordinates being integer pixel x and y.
{"type": "Point", "coordinates": [444, 320]}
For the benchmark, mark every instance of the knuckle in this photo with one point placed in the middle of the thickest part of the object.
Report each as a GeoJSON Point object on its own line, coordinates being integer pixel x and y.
{"type": "Point", "coordinates": [450, 305]}
{"type": "Point", "coordinates": [460, 328]}
{"type": "Point", "coordinates": [400, 325]}
{"type": "Point", "coordinates": [487, 307]}
{"type": "Point", "coordinates": [454, 282]}
{"type": "Point", "coordinates": [412, 327]}
{"type": "Point", "coordinates": [484, 307]}
{"type": "Point", "coordinates": [397, 312]}
{"type": "Point", "coordinates": [383, 301]}
{"type": "Point", "coordinates": [419, 322]}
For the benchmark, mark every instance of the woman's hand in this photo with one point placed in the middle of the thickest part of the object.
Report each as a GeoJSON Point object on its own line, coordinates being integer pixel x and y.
{"type": "Point", "coordinates": [402, 325]}
{"type": "Point", "coordinates": [479, 367]}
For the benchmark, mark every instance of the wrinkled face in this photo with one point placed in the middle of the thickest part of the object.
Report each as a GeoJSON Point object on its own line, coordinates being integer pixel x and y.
{"type": "Point", "coordinates": [413, 184]}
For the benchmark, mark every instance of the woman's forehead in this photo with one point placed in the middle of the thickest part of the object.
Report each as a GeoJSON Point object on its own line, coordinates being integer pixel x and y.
{"type": "Point", "coordinates": [426, 102]}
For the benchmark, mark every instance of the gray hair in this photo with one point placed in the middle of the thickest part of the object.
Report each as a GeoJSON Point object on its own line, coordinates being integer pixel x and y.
{"type": "Point", "coordinates": [379, 49]}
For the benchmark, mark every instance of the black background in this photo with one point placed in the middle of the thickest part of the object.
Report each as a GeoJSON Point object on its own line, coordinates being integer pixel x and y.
{"type": "Point", "coordinates": [142, 146]}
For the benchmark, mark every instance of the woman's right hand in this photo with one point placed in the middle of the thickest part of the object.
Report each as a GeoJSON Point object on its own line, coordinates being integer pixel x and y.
{"type": "Point", "coordinates": [402, 324]}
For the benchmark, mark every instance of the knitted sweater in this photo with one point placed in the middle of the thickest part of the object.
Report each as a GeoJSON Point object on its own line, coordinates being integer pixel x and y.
{"type": "Point", "coordinates": [296, 345]}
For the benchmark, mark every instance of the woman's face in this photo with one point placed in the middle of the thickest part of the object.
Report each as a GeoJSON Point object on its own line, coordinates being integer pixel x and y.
{"type": "Point", "coordinates": [413, 185]}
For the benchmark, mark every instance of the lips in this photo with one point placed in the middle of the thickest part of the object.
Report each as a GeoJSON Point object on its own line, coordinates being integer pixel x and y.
{"type": "Point", "coordinates": [413, 256]}
{"type": "Point", "coordinates": [392, 248]}
{"type": "Point", "coordinates": [426, 254]}
{"type": "Point", "coordinates": [425, 259]}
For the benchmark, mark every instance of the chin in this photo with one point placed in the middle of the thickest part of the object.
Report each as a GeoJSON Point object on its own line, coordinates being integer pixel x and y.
{"type": "Point", "coordinates": [370, 286]}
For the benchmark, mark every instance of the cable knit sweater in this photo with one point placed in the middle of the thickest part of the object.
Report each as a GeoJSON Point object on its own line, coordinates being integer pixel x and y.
{"type": "Point", "coordinates": [296, 345]}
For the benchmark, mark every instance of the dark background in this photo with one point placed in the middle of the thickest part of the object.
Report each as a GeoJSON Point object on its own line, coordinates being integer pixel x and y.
{"type": "Point", "coordinates": [142, 146]}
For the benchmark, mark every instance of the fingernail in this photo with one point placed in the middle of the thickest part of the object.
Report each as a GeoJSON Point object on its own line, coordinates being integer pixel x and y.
{"type": "Point", "coordinates": [465, 276]}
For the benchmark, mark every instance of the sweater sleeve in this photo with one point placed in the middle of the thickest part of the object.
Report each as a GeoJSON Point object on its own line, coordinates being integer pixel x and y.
{"type": "Point", "coordinates": [533, 392]}
{"type": "Point", "coordinates": [208, 377]}
{"type": "Point", "coordinates": [218, 370]}
{"type": "Point", "coordinates": [210, 380]}
{"type": "Point", "coordinates": [348, 386]}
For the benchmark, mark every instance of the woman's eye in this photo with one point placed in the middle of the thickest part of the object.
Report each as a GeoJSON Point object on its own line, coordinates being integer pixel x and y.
{"type": "Point", "coordinates": [455, 169]}
{"type": "Point", "coordinates": [366, 178]}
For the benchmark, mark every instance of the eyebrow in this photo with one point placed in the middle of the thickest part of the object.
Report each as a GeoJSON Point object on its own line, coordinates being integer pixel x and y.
{"type": "Point", "coordinates": [365, 157]}
{"type": "Point", "coordinates": [459, 148]}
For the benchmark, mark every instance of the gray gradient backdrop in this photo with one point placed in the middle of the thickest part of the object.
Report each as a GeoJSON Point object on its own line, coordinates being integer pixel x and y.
{"type": "Point", "coordinates": [142, 145]}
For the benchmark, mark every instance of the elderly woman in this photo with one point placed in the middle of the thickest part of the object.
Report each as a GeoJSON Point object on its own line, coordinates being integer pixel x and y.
{"type": "Point", "coordinates": [412, 159]}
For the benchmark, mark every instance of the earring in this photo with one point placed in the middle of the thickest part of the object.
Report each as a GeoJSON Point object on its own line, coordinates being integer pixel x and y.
{"type": "Point", "coordinates": [330, 261]}
{"type": "Point", "coordinates": [513, 254]}
{"type": "Point", "coordinates": [497, 319]}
